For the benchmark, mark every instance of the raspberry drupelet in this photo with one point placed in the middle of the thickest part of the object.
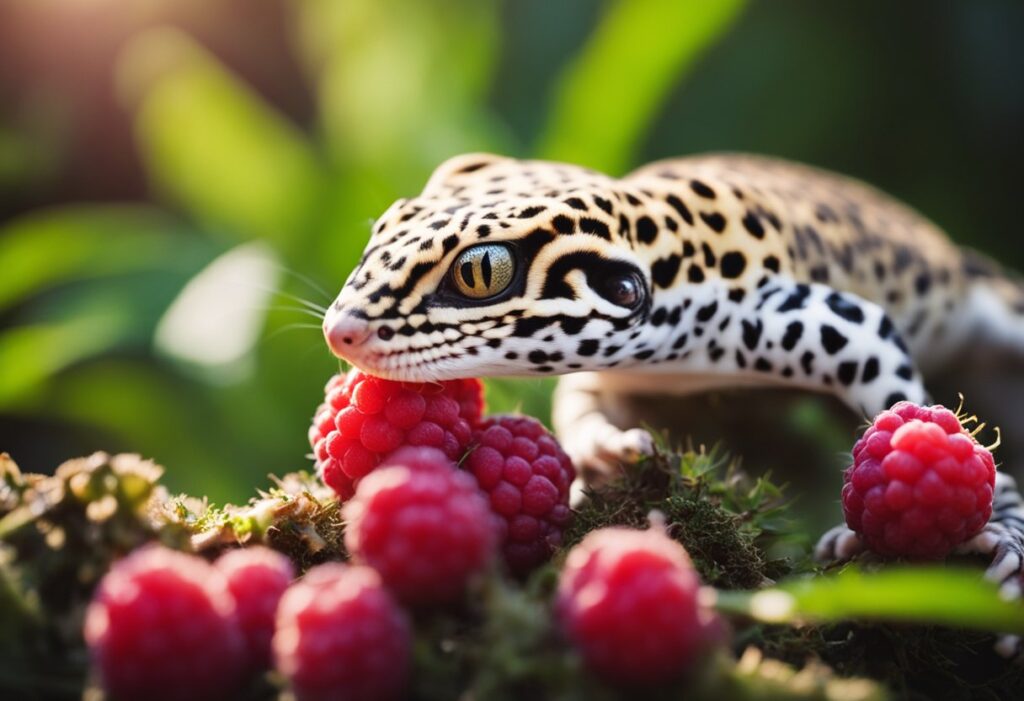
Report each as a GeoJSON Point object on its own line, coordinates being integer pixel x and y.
{"type": "Point", "coordinates": [628, 601]}
{"type": "Point", "coordinates": [422, 524]}
{"type": "Point", "coordinates": [162, 626]}
{"type": "Point", "coordinates": [920, 484]}
{"type": "Point", "coordinates": [340, 635]}
{"type": "Point", "coordinates": [526, 476]}
{"type": "Point", "coordinates": [364, 418]}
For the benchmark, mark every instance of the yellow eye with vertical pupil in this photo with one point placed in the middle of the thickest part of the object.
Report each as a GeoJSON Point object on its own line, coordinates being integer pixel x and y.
{"type": "Point", "coordinates": [483, 271]}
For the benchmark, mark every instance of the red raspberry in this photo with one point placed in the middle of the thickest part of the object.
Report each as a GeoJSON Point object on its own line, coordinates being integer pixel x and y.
{"type": "Point", "coordinates": [162, 625]}
{"type": "Point", "coordinates": [919, 485]}
{"type": "Point", "coordinates": [340, 635]}
{"type": "Point", "coordinates": [364, 418]}
{"type": "Point", "coordinates": [257, 577]}
{"type": "Point", "coordinates": [628, 601]}
{"type": "Point", "coordinates": [469, 393]}
{"type": "Point", "coordinates": [422, 524]}
{"type": "Point", "coordinates": [526, 475]}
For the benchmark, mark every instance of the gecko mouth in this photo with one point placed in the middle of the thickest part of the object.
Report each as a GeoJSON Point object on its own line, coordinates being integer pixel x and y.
{"type": "Point", "coordinates": [409, 365]}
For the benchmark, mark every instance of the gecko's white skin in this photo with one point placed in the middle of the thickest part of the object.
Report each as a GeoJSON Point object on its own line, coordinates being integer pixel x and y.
{"type": "Point", "coordinates": [692, 274]}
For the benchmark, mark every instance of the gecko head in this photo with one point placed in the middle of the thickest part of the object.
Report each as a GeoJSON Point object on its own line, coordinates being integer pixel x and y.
{"type": "Point", "coordinates": [500, 267]}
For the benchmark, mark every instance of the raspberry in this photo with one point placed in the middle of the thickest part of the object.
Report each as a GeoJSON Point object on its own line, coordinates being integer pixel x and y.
{"type": "Point", "coordinates": [365, 418]}
{"type": "Point", "coordinates": [469, 393]}
{"type": "Point", "coordinates": [341, 635]}
{"type": "Point", "coordinates": [162, 625]}
{"type": "Point", "coordinates": [919, 485]}
{"type": "Point", "coordinates": [526, 475]}
{"type": "Point", "coordinates": [627, 600]}
{"type": "Point", "coordinates": [422, 524]}
{"type": "Point", "coordinates": [257, 577]}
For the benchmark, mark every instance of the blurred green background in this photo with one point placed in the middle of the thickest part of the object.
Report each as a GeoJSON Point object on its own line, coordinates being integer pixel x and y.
{"type": "Point", "coordinates": [176, 175]}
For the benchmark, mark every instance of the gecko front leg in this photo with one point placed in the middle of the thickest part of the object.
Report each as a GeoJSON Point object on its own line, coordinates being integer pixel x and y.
{"type": "Point", "coordinates": [787, 333]}
{"type": "Point", "coordinates": [583, 420]}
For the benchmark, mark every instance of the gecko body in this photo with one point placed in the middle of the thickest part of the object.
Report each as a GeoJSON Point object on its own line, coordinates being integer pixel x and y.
{"type": "Point", "coordinates": [685, 275]}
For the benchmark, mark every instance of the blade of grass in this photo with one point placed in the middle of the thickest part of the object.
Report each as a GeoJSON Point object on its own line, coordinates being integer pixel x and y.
{"type": "Point", "coordinates": [950, 596]}
{"type": "Point", "coordinates": [610, 93]}
{"type": "Point", "coordinates": [216, 147]}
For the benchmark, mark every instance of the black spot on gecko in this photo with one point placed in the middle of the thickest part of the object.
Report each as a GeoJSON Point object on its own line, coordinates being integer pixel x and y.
{"type": "Point", "coordinates": [844, 308]}
{"type": "Point", "coordinates": [870, 370]}
{"type": "Point", "coordinates": [664, 270]}
{"type": "Point", "coordinates": [752, 333]}
{"type": "Point", "coordinates": [794, 331]}
{"type": "Point", "coordinates": [706, 312]}
{"type": "Point", "coordinates": [709, 255]}
{"type": "Point", "coordinates": [646, 231]}
{"type": "Point", "coordinates": [895, 398]}
{"type": "Point", "coordinates": [846, 371]}
{"type": "Point", "coordinates": [701, 189]}
{"type": "Point", "coordinates": [530, 212]}
{"type": "Point", "coordinates": [603, 204]}
{"type": "Point", "coordinates": [753, 225]}
{"type": "Point", "coordinates": [449, 243]}
{"type": "Point", "coordinates": [682, 209]}
{"type": "Point", "coordinates": [714, 220]}
{"type": "Point", "coordinates": [595, 227]}
{"type": "Point", "coordinates": [562, 224]}
{"type": "Point", "coordinates": [832, 340]}
{"type": "Point", "coordinates": [733, 264]}
{"type": "Point", "coordinates": [807, 362]}
{"type": "Point", "coordinates": [797, 299]}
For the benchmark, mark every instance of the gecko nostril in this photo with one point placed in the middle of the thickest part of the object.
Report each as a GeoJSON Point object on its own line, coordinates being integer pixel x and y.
{"type": "Point", "coordinates": [346, 330]}
{"type": "Point", "coordinates": [385, 333]}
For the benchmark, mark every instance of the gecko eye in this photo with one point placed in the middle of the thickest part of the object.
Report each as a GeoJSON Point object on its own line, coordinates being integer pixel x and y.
{"type": "Point", "coordinates": [483, 271]}
{"type": "Point", "coordinates": [623, 289]}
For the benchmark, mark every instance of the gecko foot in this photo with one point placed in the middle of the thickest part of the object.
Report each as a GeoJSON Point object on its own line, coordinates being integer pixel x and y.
{"type": "Point", "coordinates": [1005, 545]}
{"type": "Point", "coordinates": [602, 455]}
{"type": "Point", "coordinates": [838, 544]}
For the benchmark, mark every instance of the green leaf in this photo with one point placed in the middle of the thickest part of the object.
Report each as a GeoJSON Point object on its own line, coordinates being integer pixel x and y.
{"type": "Point", "coordinates": [39, 351]}
{"type": "Point", "coordinates": [951, 596]}
{"type": "Point", "coordinates": [401, 84]}
{"type": "Point", "coordinates": [40, 250]}
{"type": "Point", "coordinates": [612, 90]}
{"type": "Point", "coordinates": [515, 396]}
{"type": "Point", "coordinates": [214, 146]}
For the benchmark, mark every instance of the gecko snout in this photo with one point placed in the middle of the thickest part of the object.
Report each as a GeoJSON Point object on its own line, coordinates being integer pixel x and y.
{"type": "Point", "coordinates": [345, 331]}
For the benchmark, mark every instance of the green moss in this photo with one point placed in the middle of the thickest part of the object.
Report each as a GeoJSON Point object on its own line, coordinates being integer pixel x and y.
{"type": "Point", "coordinates": [299, 517]}
{"type": "Point", "coordinates": [725, 520]}
{"type": "Point", "coordinates": [916, 662]}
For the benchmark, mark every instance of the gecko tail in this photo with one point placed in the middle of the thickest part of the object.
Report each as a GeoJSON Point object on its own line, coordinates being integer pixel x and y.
{"type": "Point", "coordinates": [994, 305]}
{"type": "Point", "coordinates": [986, 365]}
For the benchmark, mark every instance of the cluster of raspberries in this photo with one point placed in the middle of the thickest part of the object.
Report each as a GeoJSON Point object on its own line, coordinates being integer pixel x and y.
{"type": "Point", "coordinates": [164, 625]}
{"type": "Point", "coordinates": [517, 465]}
{"type": "Point", "coordinates": [167, 626]}
{"type": "Point", "coordinates": [432, 492]}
